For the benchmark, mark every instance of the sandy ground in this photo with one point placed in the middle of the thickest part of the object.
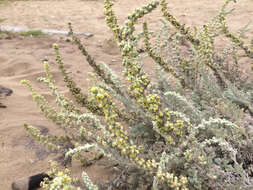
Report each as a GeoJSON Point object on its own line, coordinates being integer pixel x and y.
{"type": "Point", "coordinates": [20, 58]}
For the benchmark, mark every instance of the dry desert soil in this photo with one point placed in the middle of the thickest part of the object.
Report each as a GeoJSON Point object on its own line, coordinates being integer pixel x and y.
{"type": "Point", "coordinates": [21, 58]}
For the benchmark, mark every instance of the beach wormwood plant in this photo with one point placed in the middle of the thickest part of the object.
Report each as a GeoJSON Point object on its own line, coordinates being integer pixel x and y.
{"type": "Point", "coordinates": [183, 130]}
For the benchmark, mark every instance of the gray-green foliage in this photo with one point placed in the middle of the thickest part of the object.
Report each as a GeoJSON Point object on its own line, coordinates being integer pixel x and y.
{"type": "Point", "coordinates": [164, 128]}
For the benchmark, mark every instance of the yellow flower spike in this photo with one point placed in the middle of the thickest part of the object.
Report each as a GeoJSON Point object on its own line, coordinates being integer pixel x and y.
{"type": "Point", "coordinates": [104, 143]}
{"type": "Point", "coordinates": [117, 133]}
{"type": "Point", "coordinates": [93, 89]}
{"type": "Point", "coordinates": [170, 140]}
{"type": "Point", "coordinates": [201, 158]}
{"type": "Point", "coordinates": [114, 143]}
{"type": "Point", "coordinates": [117, 125]}
{"type": "Point", "coordinates": [168, 176]}
{"type": "Point", "coordinates": [121, 131]}
{"type": "Point", "coordinates": [214, 177]}
{"type": "Point", "coordinates": [179, 133]}
{"type": "Point", "coordinates": [142, 160]}
{"type": "Point", "coordinates": [176, 179]}
{"type": "Point", "coordinates": [123, 151]}
{"type": "Point", "coordinates": [55, 46]}
{"type": "Point", "coordinates": [203, 163]}
{"type": "Point", "coordinates": [119, 146]}
{"type": "Point", "coordinates": [60, 174]}
{"type": "Point", "coordinates": [161, 114]}
{"type": "Point", "coordinates": [148, 165]}
{"type": "Point", "coordinates": [121, 140]}
{"type": "Point", "coordinates": [139, 163]}
{"type": "Point", "coordinates": [160, 175]}
{"type": "Point", "coordinates": [132, 155]}
{"type": "Point", "coordinates": [154, 163]}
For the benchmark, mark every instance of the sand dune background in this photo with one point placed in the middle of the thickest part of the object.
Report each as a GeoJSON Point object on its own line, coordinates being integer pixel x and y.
{"type": "Point", "coordinates": [21, 58]}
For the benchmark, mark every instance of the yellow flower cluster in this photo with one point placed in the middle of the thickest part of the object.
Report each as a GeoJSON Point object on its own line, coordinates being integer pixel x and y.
{"type": "Point", "coordinates": [175, 183]}
{"type": "Point", "coordinates": [64, 178]}
{"type": "Point", "coordinates": [128, 51]}
{"type": "Point", "coordinates": [169, 130]}
{"type": "Point", "coordinates": [201, 160]}
{"type": "Point", "coordinates": [61, 179]}
{"type": "Point", "coordinates": [120, 136]}
{"type": "Point", "coordinates": [120, 139]}
{"type": "Point", "coordinates": [111, 19]}
{"type": "Point", "coordinates": [152, 103]}
{"type": "Point", "coordinates": [189, 155]}
{"type": "Point", "coordinates": [138, 79]}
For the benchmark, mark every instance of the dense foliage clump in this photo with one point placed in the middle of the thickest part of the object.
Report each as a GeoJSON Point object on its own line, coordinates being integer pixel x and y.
{"type": "Point", "coordinates": [184, 129]}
